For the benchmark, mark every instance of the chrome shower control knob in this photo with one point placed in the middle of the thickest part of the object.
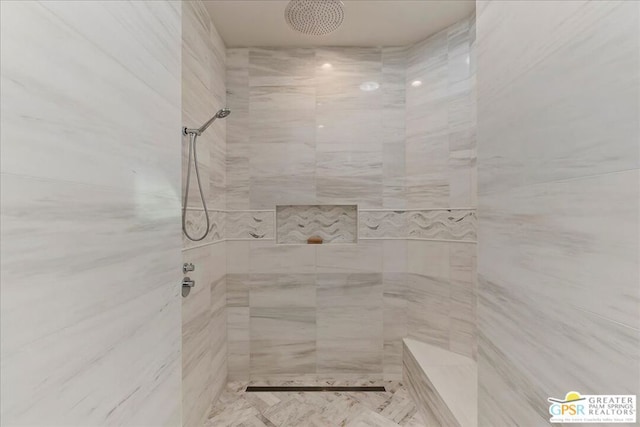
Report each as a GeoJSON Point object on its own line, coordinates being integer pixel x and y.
{"type": "Point", "coordinates": [187, 267]}
{"type": "Point", "coordinates": [187, 284]}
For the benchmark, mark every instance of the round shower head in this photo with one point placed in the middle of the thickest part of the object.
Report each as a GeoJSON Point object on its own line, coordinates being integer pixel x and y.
{"type": "Point", "coordinates": [315, 17]}
{"type": "Point", "coordinates": [222, 113]}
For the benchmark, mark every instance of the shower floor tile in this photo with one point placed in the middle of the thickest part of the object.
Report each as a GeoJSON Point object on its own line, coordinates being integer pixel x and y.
{"type": "Point", "coordinates": [391, 408]}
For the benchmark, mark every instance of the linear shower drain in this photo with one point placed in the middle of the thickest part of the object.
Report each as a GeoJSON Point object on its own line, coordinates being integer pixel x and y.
{"type": "Point", "coordinates": [295, 388]}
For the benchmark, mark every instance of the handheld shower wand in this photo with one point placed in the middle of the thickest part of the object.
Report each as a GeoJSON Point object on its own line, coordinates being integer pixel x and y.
{"type": "Point", "coordinates": [193, 136]}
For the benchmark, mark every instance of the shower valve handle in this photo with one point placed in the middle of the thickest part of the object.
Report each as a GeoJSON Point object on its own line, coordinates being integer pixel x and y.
{"type": "Point", "coordinates": [187, 267]}
{"type": "Point", "coordinates": [188, 283]}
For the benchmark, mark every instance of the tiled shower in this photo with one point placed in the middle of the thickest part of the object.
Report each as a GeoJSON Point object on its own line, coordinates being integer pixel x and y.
{"type": "Point", "coordinates": [388, 184]}
{"type": "Point", "coordinates": [476, 194]}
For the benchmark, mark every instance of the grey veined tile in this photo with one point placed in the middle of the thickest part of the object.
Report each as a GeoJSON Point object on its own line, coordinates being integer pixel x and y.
{"type": "Point", "coordinates": [281, 67]}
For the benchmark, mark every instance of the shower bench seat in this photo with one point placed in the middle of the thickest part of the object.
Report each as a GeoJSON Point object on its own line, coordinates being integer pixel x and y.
{"type": "Point", "coordinates": [442, 383]}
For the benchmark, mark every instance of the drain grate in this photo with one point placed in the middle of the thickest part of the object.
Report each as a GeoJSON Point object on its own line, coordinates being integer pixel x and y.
{"type": "Point", "coordinates": [293, 388]}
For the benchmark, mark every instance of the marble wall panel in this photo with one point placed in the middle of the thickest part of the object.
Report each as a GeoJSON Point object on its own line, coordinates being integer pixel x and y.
{"type": "Point", "coordinates": [558, 204]}
{"type": "Point", "coordinates": [267, 257]}
{"type": "Point", "coordinates": [89, 311]}
{"type": "Point", "coordinates": [282, 324]}
{"type": "Point", "coordinates": [90, 213]}
{"type": "Point", "coordinates": [238, 335]}
{"type": "Point", "coordinates": [350, 331]}
{"type": "Point", "coordinates": [105, 158]}
{"type": "Point", "coordinates": [307, 133]}
{"type": "Point", "coordinates": [440, 128]}
{"type": "Point", "coordinates": [203, 94]}
{"type": "Point", "coordinates": [395, 322]}
{"type": "Point", "coordinates": [364, 257]}
{"type": "Point", "coordinates": [394, 62]}
{"type": "Point", "coordinates": [238, 146]}
{"type": "Point", "coordinates": [441, 294]}
{"type": "Point", "coordinates": [196, 339]}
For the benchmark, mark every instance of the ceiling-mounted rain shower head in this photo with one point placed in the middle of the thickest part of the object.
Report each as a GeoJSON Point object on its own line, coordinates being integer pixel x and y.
{"type": "Point", "coordinates": [315, 17]}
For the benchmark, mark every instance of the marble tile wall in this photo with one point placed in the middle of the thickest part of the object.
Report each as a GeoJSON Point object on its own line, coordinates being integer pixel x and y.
{"type": "Point", "coordinates": [306, 134]}
{"type": "Point", "coordinates": [203, 94]}
{"type": "Point", "coordinates": [90, 213]}
{"type": "Point", "coordinates": [204, 338]}
{"type": "Point", "coordinates": [440, 149]}
{"type": "Point", "coordinates": [305, 310]}
{"type": "Point", "coordinates": [344, 309]}
{"type": "Point", "coordinates": [440, 172]}
{"type": "Point", "coordinates": [298, 117]}
{"type": "Point", "coordinates": [441, 293]}
{"type": "Point", "coordinates": [204, 317]}
{"type": "Point", "coordinates": [558, 204]}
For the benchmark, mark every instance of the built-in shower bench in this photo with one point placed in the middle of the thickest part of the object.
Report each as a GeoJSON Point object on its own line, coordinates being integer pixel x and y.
{"type": "Point", "coordinates": [442, 383]}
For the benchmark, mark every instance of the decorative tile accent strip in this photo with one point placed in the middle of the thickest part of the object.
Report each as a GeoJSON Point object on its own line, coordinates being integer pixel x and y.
{"type": "Point", "coordinates": [196, 223]}
{"type": "Point", "coordinates": [442, 224]}
{"type": "Point", "coordinates": [382, 224]}
{"type": "Point", "coordinates": [250, 225]}
{"type": "Point", "coordinates": [218, 225]}
{"type": "Point", "coordinates": [334, 223]}
{"type": "Point", "coordinates": [439, 224]}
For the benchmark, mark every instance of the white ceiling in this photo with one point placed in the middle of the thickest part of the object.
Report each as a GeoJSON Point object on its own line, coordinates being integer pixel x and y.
{"type": "Point", "coordinates": [366, 22]}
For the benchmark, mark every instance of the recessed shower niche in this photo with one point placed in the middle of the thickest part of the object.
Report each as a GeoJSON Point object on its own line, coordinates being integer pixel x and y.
{"type": "Point", "coordinates": [295, 224]}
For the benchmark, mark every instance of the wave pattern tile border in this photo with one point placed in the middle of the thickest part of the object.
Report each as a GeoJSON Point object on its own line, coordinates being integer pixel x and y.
{"type": "Point", "coordinates": [437, 224]}
{"type": "Point", "coordinates": [196, 224]}
{"type": "Point", "coordinates": [383, 224]}
{"type": "Point", "coordinates": [442, 224]}
{"type": "Point", "coordinates": [334, 223]}
{"type": "Point", "coordinates": [250, 225]}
